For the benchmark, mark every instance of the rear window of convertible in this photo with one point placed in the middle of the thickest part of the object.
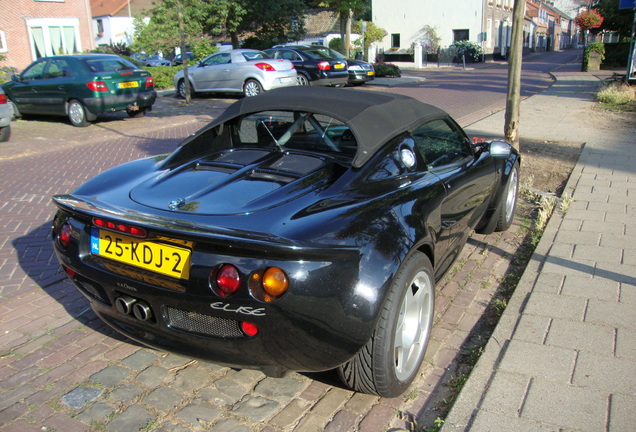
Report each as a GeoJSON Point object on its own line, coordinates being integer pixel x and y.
{"type": "Point", "coordinates": [297, 131]}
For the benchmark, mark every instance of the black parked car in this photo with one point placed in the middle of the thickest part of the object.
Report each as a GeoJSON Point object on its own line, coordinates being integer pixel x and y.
{"type": "Point", "coordinates": [316, 65]}
{"type": "Point", "coordinates": [359, 70]}
{"type": "Point", "coordinates": [303, 229]}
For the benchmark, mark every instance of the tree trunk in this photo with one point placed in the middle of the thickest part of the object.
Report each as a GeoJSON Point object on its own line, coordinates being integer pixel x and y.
{"type": "Point", "coordinates": [184, 54]}
{"type": "Point", "coordinates": [515, 59]}
{"type": "Point", "coordinates": [347, 40]}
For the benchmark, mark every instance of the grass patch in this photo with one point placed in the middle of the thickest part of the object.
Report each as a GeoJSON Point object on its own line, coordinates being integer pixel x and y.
{"type": "Point", "coordinates": [617, 96]}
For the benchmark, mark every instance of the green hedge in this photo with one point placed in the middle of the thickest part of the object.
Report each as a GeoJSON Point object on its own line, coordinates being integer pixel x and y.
{"type": "Point", "coordinates": [616, 55]}
{"type": "Point", "coordinates": [387, 70]}
{"type": "Point", "coordinates": [163, 75]}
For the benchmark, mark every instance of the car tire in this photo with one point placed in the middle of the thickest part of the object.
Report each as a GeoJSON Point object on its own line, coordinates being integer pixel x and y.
{"type": "Point", "coordinates": [136, 113]}
{"type": "Point", "coordinates": [78, 115]}
{"type": "Point", "coordinates": [506, 212]}
{"type": "Point", "coordinates": [391, 359]}
{"type": "Point", "coordinates": [302, 80]}
{"type": "Point", "coordinates": [252, 88]}
{"type": "Point", "coordinates": [5, 133]}
{"type": "Point", "coordinates": [181, 89]}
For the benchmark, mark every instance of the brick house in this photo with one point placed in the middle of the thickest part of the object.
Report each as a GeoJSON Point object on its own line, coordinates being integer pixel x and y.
{"type": "Point", "coordinates": [30, 29]}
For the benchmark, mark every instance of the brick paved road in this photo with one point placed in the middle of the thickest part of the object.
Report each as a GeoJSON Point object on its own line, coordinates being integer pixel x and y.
{"type": "Point", "coordinates": [62, 369]}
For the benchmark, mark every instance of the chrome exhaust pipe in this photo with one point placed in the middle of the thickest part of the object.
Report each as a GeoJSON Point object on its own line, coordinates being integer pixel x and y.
{"type": "Point", "coordinates": [142, 311]}
{"type": "Point", "coordinates": [124, 304]}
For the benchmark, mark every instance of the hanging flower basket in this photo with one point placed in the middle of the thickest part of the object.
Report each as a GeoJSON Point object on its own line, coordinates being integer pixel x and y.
{"type": "Point", "coordinates": [589, 19]}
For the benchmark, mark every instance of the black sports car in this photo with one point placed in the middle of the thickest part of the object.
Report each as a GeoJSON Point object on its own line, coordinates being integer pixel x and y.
{"type": "Point", "coordinates": [303, 229]}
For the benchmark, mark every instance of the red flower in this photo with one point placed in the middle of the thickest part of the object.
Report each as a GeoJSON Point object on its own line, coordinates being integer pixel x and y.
{"type": "Point", "coordinates": [589, 19]}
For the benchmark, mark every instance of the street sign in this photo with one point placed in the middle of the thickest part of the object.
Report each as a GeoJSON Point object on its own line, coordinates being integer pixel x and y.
{"type": "Point", "coordinates": [626, 4]}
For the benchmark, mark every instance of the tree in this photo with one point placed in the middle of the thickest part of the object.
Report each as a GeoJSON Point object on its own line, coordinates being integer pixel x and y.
{"type": "Point", "coordinates": [513, 99]}
{"type": "Point", "coordinates": [373, 33]}
{"type": "Point", "coordinates": [345, 10]}
{"type": "Point", "coordinates": [278, 21]}
{"type": "Point", "coordinates": [615, 19]}
{"type": "Point", "coordinates": [200, 21]}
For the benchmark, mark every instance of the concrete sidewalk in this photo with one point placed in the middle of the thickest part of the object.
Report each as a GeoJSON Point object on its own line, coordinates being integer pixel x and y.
{"type": "Point", "coordinates": [563, 356]}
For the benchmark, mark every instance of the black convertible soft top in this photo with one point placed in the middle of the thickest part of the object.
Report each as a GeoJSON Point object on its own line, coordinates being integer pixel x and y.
{"type": "Point", "coordinates": [373, 117]}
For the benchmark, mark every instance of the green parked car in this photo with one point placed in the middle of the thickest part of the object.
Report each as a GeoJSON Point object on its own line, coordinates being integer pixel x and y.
{"type": "Point", "coordinates": [81, 87]}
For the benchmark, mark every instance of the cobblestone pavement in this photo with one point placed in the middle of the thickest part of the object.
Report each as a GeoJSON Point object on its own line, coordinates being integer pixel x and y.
{"type": "Point", "coordinates": [62, 369]}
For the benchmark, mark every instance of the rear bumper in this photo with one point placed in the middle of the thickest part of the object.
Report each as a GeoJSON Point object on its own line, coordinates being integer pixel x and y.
{"type": "Point", "coordinates": [5, 115]}
{"type": "Point", "coordinates": [111, 103]}
{"type": "Point", "coordinates": [330, 81]}
{"type": "Point", "coordinates": [279, 81]}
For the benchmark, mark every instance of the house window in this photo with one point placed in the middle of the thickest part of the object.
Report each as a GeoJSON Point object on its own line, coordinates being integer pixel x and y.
{"type": "Point", "coordinates": [100, 26]}
{"type": "Point", "coordinates": [460, 35]}
{"type": "Point", "coordinates": [3, 42]}
{"type": "Point", "coordinates": [395, 40]}
{"type": "Point", "coordinates": [51, 36]}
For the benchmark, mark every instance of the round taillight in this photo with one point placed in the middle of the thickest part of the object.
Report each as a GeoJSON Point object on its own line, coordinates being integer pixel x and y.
{"type": "Point", "coordinates": [249, 329]}
{"type": "Point", "coordinates": [275, 282]}
{"type": "Point", "coordinates": [228, 280]}
{"type": "Point", "coordinates": [64, 236]}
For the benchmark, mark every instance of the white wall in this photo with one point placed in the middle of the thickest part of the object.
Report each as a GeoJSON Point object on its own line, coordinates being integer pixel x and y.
{"type": "Point", "coordinates": [408, 17]}
{"type": "Point", "coordinates": [116, 29]}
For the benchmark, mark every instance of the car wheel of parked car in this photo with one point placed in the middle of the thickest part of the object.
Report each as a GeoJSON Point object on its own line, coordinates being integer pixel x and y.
{"type": "Point", "coordinates": [136, 113]}
{"type": "Point", "coordinates": [78, 115]}
{"type": "Point", "coordinates": [5, 133]}
{"type": "Point", "coordinates": [252, 88]}
{"type": "Point", "coordinates": [509, 201]}
{"type": "Point", "coordinates": [391, 359]}
{"type": "Point", "coordinates": [181, 87]}
{"type": "Point", "coordinates": [302, 80]}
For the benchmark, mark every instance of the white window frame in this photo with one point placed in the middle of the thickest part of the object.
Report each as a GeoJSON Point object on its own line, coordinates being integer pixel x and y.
{"type": "Point", "coordinates": [3, 42]}
{"type": "Point", "coordinates": [47, 23]}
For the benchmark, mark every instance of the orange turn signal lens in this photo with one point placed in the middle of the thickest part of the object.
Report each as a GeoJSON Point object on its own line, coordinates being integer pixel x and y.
{"type": "Point", "coordinates": [275, 282]}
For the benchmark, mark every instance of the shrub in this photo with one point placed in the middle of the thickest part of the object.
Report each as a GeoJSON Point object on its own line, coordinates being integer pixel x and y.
{"type": "Point", "coordinates": [387, 70]}
{"type": "Point", "coordinates": [616, 55]}
{"type": "Point", "coordinates": [163, 76]}
{"type": "Point", "coordinates": [6, 72]}
{"type": "Point", "coordinates": [471, 51]}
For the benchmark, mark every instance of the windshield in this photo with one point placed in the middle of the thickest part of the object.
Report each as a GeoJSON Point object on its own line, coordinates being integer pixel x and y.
{"type": "Point", "coordinates": [255, 55]}
{"type": "Point", "coordinates": [108, 64]}
{"type": "Point", "coordinates": [322, 53]}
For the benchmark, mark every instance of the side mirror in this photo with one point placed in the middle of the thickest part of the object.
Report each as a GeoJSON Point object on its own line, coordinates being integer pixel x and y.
{"type": "Point", "coordinates": [16, 77]}
{"type": "Point", "coordinates": [500, 149]}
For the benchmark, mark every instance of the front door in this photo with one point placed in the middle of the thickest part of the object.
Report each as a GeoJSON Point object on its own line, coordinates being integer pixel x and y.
{"type": "Point", "coordinates": [25, 91]}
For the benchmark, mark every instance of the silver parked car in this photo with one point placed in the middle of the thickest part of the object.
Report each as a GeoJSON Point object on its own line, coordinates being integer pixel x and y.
{"type": "Point", "coordinates": [244, 71]}
{"type": "Point", "coordinates": [6, 112]}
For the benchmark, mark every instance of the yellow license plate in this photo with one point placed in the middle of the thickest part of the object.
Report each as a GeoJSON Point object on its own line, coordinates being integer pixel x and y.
{"type": "Point", "coordinates": [371, 73]}
{"type": "Point", "coordinates": [338, 66]}
{"type": "Point", "coordinates": [162, 258]}
{"type": "Point", "coordinates": [129, 84]}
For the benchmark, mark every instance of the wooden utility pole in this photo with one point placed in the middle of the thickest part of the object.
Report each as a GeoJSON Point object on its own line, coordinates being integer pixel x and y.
{"type": "Point", "coordinates": [515, 56]}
